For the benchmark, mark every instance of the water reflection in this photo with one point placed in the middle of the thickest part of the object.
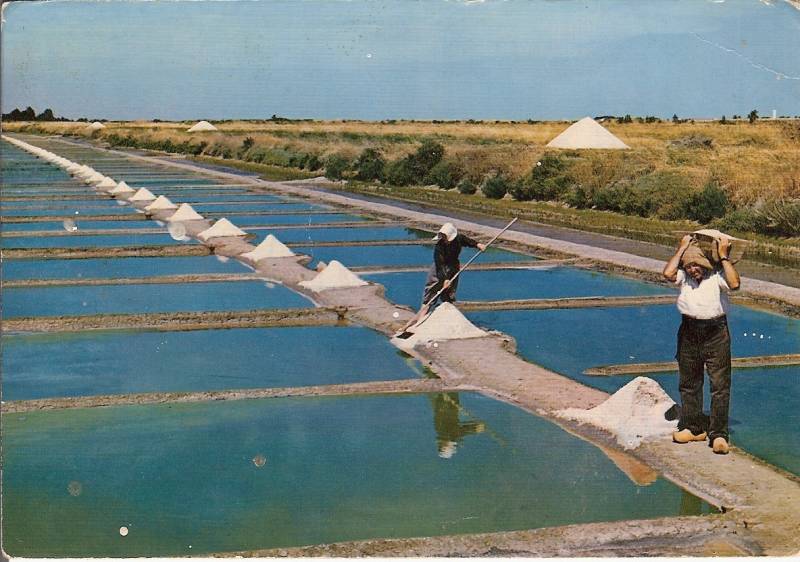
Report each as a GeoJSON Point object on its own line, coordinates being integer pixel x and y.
{"type": "Point", "coordinates": [450, 430]}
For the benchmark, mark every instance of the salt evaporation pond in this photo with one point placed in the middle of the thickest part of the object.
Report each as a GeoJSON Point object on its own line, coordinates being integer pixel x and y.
{"type": "Point", "coordinates": [298, 471]}
{"type": "Point", "coordinates": [344, 234]}
{"type": "Point", "coordinates": [80, 223]}
{"type": "Point", "coordinates": [113, 268]}
{"type": "Point", "coordinates": [76, 211]}
{"type": "Point", "coordinates": [147, 297]}
{"type": "Point", "coordinates": [509, 284]}
{"type": "Point", "coordinates": [570, 341]}
{"type": "Point", "coordinates": [59, 203]}
{"type": "Point", "coordinates": [277, 219]}
{"type": "Point", "coordinates": [203, 208]}
{"type": "Point", "coordinates": [250, 197]}
{"type": "Point", "coordinates": [92, 241]}
{"type": "Point", "coordinates": [389, 255]}
{"type": "Point", "coordinates": [114, 362]}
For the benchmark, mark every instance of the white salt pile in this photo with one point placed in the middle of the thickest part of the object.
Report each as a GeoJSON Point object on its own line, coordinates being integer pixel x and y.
{"type": "Point", "coordinates": [445, 323]}
{"type": "Point", "coordinates": [633, 414]}
{"type": "Point", "coordinates": [121, 188]}
{"type": "Point", "coordinates": [161, 204]}
{"type": "Point", "coordinates": [587, 133]}
{"type": "Point", "coordinates": [185, 213]}
{"type": "Point", "coordinates": [201, 126]}
{"type": "Point", "coordinates": [143, 194]}
{"type": "Point", "coordinates": [271, 247]}
{"type": "Point", "coordinates": [223, 227]}
{"type": "Point", "coordinates": [97, 125]}
{"type": "Point", "coordinates": [93, 178]}
{"type": "Point", "coordinates": [107, 184]}
{"type": "Point", "coordinates": [335, 276]}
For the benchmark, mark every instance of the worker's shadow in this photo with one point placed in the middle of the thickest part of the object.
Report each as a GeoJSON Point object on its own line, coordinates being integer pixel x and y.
{"type": "Point", "coordinates": [450, 430]}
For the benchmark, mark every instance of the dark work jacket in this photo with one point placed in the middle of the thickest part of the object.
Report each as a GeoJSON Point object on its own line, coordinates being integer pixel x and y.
{"type": "Point", "coordinates": [445, 255]}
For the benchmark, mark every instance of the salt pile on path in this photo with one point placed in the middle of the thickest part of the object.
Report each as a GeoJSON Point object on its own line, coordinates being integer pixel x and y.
{"type": "Point", "coordinates": [445, 323]}
{"type": "Point", "coordinates": [161, 204]}
{"type": "Point", "coordinates": [121, 188]}
{"type": "Point", "coordinates": [185, 213]}
{"type": "Point", "coordinates": [223, 227]}
{"type": "Point", "coordinates": [94, 178]}
{"type": "Point", "coordinates": [633, 414]}
{"type": "Point", "coordinates": [201, 126]}
{"type": "Point", "coordinates": [335, 276]}
{"type": "Point", "coordinates": [587, 133]}
{"type": "Point", "coordinates": [271, 247]}
{"type": "Point", "coordinates": [107, 184]}
{"type": "Point", "coordinates": [96, 126]}
{"type": "Point", "coordinates": [143, 194]}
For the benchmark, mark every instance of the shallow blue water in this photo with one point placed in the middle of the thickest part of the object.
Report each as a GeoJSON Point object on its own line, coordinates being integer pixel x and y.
{"type": "Point", "coordinates": [259, 208]}
{"type": "Point", "coordinates": [92, 241]}
{"type": "Point", "coordinates": [118, 267]}
{"type": "Point", "coordinates": [421, 255]}
{"type": "Point", "coordinates": [183, 297]}
{"type": "Point", "coordinates": [95, 363]}
{"type": "Point", "coordinates": [310, 235]}
{"type": "Point", "coordinates": [283, 472]}
{"type": "Point", "coordinates": [72, 211]}
{"type": "Point", "coordinates": [259, 220]}
{"type": "Point", "coordinates": [60, 203]}
{"type": "Point", "coordinates": [80, 223]}
{"type": "Point", "coordinates": [234, 197]}
{"type": "Point", "coordinates": [406, 288]}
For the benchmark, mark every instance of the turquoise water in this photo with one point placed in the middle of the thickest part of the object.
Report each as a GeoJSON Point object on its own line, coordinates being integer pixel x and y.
{"type": "Point", "coordinates": [75, 210]}
{"type": "Point", "coordinates": [422, 255]}
{"type": "Point", "coordinates": [406, 288]}
{"type": "Point", "coordinates": [60, 203]}
{"type": "Point", "coordinates": [262, 220]}
{"type": "Point", "coordinates": [92, 241]}
{"type": "Point", "coordinates": [570, 341]}
{"type": "Point", "coordinates": [80, 223]}
{"type": "Point", "coordinates": [310, 235]}
{"type": "Point", "coordinates": [236, 197]}
{"type": "Point", "coordinates": [118, 267]}
{"type": "Point", "coordinates": [183, 297]}
{"type": "Point", "coordinates": [258, 207]}
{"type": "Point", "coordinates": [285, 472]}
{"type": "Point", "coordinates": [92, 363]}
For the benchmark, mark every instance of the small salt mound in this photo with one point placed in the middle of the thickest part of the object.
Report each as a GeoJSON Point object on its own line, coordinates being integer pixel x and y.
{"type": "Point", "coordinates": [143, 194]}
{"type": "Point", "coordinates": [161, 204]}
{"type": "Point", "coordinates": [97, 125]}
{"type": "Point", "coordinates": [73, 168]}
{"type": "Point", "coordinates": [445, 323]}
{"type": "Point", "coordinates": [587, 133]}
{"type": "Point", "coordinates": [201, 126]}
{"type": "Point", "coordinates": [185, 213]}
{"type": "Point", "coordinates": [270, 247]}
{"type": "Point", "coordinates": [335, 276]}
{"type": "Point", "coordinates": [632, 414]}
{"type": "Point", "coordinates": [94, 178]}
{"type": "Point", "coordinates": [107, 184]}
{"type": "Point", "coordinates": [121, 188]}
{"type": "Point", "coordinates": [223, 227]}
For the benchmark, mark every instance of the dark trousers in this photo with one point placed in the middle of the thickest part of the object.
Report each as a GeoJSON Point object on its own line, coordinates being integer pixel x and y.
{"type": "Point", "coordinates": [704, 344]}
{"type": "Point", "coordinates": [433, 285]}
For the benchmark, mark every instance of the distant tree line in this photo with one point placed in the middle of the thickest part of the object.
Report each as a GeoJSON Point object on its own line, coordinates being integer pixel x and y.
{"type": "Point", "coordinates": [29, 114]}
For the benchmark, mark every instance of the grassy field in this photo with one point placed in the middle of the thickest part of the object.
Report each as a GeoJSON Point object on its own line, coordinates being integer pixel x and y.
{"type": "Point", "coordinates": [754, 166]}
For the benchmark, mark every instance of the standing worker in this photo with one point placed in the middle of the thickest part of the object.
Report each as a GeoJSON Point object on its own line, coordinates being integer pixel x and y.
{"type": "Point", "coordinates": [704, 341]}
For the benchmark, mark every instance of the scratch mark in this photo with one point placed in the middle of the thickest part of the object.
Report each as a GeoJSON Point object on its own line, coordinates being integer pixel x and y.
{"type": "Point", "coordinates": [778, 75]}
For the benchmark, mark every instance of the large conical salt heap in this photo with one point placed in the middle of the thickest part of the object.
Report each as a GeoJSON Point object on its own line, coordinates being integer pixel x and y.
{"type": "Point", "coordinates": [632, 414]}
{"type": "Point", "coordinates": [335, 276]}
{"type": "Point", "coordinates": [587, 133]}
{"type": "Point", "coordinates": [107, 184]}
{"type": "Point", "coordinates": [143, 194]}
{"type": "Point", "coordinates": [121, 189]}
{"type": "Point", "coordinates": [95, 126]}
{"type": "Point", "coordinates": [201, 126]}
{"type": "Point", "coordinates": [185, 213]}
{"type": "Point", "coordinates": [445, 323]}
{"type": "Point", "coordinates": [161, 204]}
{"type": "Point", "coordinates": [94, 178]}
{"type": "Point", "coordinates": [271, 247]}
{"type": "Point", "coordinates": [223, 227]}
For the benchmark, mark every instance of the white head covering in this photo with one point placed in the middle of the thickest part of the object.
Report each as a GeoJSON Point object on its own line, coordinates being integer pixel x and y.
{"type": "Point", "coordinates": [448, 231]}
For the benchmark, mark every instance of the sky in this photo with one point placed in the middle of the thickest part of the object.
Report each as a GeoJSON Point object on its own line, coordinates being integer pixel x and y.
{"type": "Point", "coordinates": [401, 59]}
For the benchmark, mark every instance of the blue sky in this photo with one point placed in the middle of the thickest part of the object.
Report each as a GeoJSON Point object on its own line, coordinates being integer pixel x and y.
{"type": "Point", "coordinates": [420, 59]}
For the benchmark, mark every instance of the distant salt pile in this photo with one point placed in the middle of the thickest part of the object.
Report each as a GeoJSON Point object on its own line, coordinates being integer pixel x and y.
{"type": "Point", "coordinates": [587, 133]}
{"type": "Point", "coordinates": [107, 184]}
{"type": "Point", "coordinates": [161, 204]}
{"type": "Point", "coordinates": [185, 213]}
{"type": "Point", "coordinates": [445, 323]}
{"type": "Point", "coordinates": [94, 178]}
{"type": "Point", "coordinates": [335, 276]}
{"type": "Point", "coordinates": [223, 227]}
{"type": "Point", "coordinates": [143, 194]}
{"type": "Point", "coordinates": [96, 126]}
{"type": "Point", "coordinates": [121, 189]}
{"type": "Point", "coordinates": [201, 126]}
{"type": "Point", "coordinates": [633, 414]}
{"type": "Point", "coordinates": [271, 247]}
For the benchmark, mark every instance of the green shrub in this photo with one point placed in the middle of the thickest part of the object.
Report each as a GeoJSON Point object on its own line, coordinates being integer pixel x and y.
{"type": "Point", "coordinates": [444, 174]}
{"type": "Point", "coordinates": [335, 167]}
{"type": "Point", "coordinates": [495, 187]}
{"type": "Point", "coordinates": [424, 159]}
{"type": "Point", "coordinates": [370, 165]}
{"type": "Point", "coordinates": [742, 220]}
{"type": "Point", "coordinates": [782, 217]}
{"type": "Point", "coordinates": [313, 162]}
{"type": "Point", "coordinates": [708, 204]}
{"type": "Point", "coordinates": [466, 186]}
{"type": "Point", "coordinates": [399, 173]}
{"type": "Point", "coordinates": [578, 197]}
{"type": "Point", "coordinates": [548, 181]}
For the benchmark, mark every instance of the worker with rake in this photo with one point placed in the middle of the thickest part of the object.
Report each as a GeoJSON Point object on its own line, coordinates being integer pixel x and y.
{"type": "Point", "coordinates": [704, 341]}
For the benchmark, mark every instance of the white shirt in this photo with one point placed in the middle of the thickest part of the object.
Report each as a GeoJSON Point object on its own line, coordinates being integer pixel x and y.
{"type": "Point", "coordinates": [704, 300]}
